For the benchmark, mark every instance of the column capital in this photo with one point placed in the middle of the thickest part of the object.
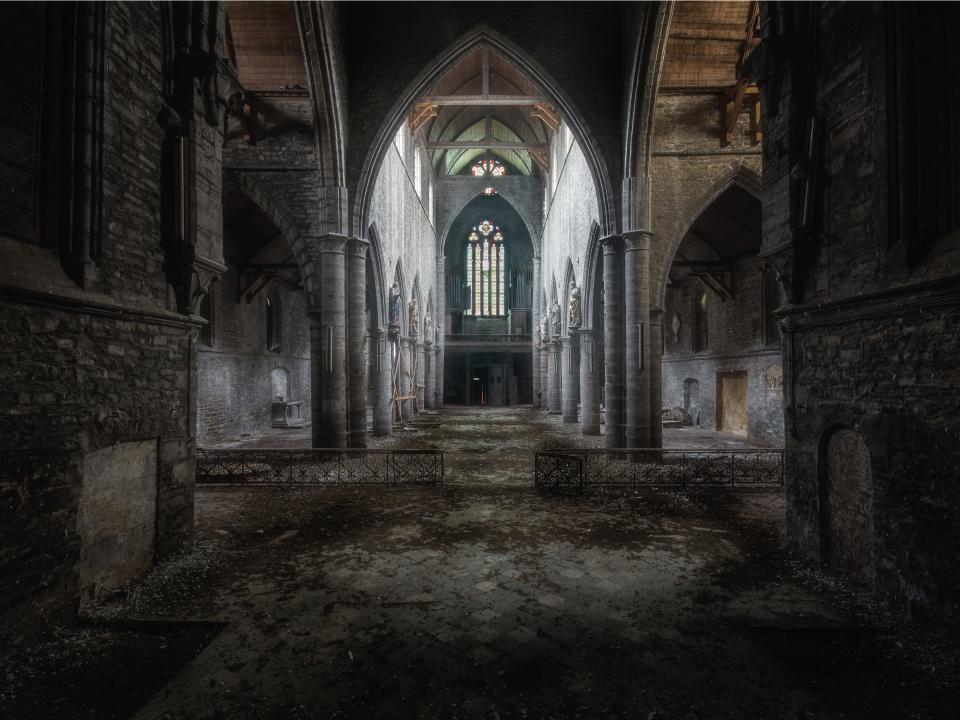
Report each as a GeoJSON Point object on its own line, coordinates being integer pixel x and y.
{"type": "Point", "coordinates": [612, 243]}
{"type": "Point", "coordinates": [357, 247]}
{"type": "Point", "coordinates": [637, 240]}
{"type": "Point", "coordinates": [328, 243]}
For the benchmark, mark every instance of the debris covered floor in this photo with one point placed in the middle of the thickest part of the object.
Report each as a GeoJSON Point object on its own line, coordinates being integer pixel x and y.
{"type": "Point", "coordinates": [486, 600]}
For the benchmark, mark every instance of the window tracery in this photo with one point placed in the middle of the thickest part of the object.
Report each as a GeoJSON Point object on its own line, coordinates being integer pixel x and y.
{"type": "Point", "coordinates": [485, 268]}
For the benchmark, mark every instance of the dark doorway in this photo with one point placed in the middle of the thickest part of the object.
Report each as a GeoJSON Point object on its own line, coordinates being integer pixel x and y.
{"type": "Point", "coordinates": [479, 388]}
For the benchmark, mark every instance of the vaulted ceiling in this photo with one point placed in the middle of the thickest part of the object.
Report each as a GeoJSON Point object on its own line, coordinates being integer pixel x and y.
{"type": "Point", "coordinates": [484, 107]}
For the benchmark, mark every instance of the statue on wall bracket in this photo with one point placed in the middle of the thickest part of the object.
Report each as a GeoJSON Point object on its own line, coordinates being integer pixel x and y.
{"type": "Point", "coordinates": [573, 310]}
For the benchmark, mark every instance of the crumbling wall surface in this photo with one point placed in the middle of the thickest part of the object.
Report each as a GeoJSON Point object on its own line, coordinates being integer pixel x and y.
{"type": "Point", "coordinates": [234, 393]}
{"type": "Point", "coordinates": [871, 337]}
{"type": "Point", "coordinates": [736, 343]}
{"type": "Point", "coordinates": [91, 371]}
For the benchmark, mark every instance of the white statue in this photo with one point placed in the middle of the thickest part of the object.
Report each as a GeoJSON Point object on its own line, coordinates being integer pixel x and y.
{"type": "Point", "coordinates": [395, 304]}
{"type": "Point", "coordinates": [573, 311]}
{"type": "Point", "coordinates": [414, 318]}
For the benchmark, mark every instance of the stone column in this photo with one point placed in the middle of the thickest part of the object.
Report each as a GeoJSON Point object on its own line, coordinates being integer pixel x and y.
{"type": "Point", "coordinates": [437, 383]}
{"type": "Point", "coordinates": [406, 382]}
{"type": "Point", "coordinates": [589, 385]}
{"type": "Point", "coordinates": [535, 320]}
{"type": "Point", "coordinates": [656, 377]}
{"type": "Point", "coordinates": [382, 385]}
{"type": "Point", "coordinates": [429, 392]}
{"type": "Point", "coordinates": [357, 339]}
{"type": "Point", "coordinates": [440, 323]}
{"type": "Point", "coordinates": [613, 341]}
{"type": "Point", "coordinates": [555, 401]}
{"type": "Point", "coordinates": [328, 361]}
{"type": "Point", "coordinates": [571, 377]}
{"type": "Point", "coordinates": [421, 378]}
{"type": "Point", "coordinates": [544, 352]}
{"type": "Point", "coordinates": [636, 285]}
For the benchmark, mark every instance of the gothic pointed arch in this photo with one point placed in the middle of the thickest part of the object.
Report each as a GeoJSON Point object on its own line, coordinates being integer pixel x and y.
{"type": "Point", "coordinates": [607, 200]}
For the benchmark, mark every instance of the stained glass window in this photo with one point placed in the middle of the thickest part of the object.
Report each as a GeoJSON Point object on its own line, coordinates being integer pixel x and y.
{"type": "Point", "coordinates": [486, 265]}
{"type": "Point", "coordinates": [489, 191]}
{"type": "Point", "coordinates": [494, 168]}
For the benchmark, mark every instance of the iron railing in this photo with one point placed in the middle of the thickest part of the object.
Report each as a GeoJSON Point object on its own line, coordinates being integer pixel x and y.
{"type": "Point", "coordinates": [573, 471]}
{"type": "Point", "coordinates": [311, 466]}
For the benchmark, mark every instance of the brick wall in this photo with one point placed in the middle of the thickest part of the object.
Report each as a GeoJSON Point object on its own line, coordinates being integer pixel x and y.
{"type": "Point", "coordinates": [736, 344]}
{"type": "Point", "coordinates": [233, 375]}
{"type": "Point", "coordinates": [570, 216]}
{"type": "Point", "coordinates": [404, 229]}
{"type": "Point", "coordinates": [105, 367]}
{"type": "Point", "coordinates": [688, 168]}
{"type": "Point", "coordinates": [871, 344]}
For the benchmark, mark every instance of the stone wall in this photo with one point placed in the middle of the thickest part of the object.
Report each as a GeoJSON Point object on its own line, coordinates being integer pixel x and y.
{"type": "Point", "coordinates": [568, 224]}
{"type": "Point", "coordinates": [404, 230]}
{"type": "Point", "coordinates": [102, 369]}
{"type": "Point", "coordinates": [871, 340]}
{"type": "Point", "coordinates": [688, 169]}
{"type": "Point", "coordinates": [523, 192]}
{"type": "Point", "coordinates": [87, 374]}
{"type": "Point", "coordinates": [736, 343]}
{"type": "Point", "coordinates": [233, 374]}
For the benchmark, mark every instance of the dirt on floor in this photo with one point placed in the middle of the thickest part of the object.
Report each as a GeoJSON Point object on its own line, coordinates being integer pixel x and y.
{"type": "Point", "coordinates": [484, 599]}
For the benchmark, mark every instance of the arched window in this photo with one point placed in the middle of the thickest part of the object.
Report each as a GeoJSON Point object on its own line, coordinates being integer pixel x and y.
{"type": "Point", "coordinates": [494, 168]}
{"type": "Point", "coordinates": [486, 262]}
{"type": "Point", "coordinates": [700, 330]}
{"type": "Point", "coordinates": [274, 320]}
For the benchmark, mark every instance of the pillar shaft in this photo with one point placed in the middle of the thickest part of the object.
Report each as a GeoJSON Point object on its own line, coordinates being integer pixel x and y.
{"type": "Point", "coordinates": [328, 362]}
{"type": "Point", "coordinates": [545, 376]}
{"type": "Point", "coordinates": [555, 401]}
{"type": "Point", "coordinates": [440, 324]}
{"type": "Point", "coordinates": [429, 399]}
{"type": "Point", "coordinates": [613, 393]}
{"type": "Point", "coordinates": [406, 380]}
{"type": "Point", "coordinates": [589, 385]}
{"type": "Point", "coordinates": [636, 285]}
{"type": "Point", "coordinates": [421, 378]}
{"type": "Point", "coordinates": [656, 377]}
{"type": "Point", "coordinates": [570, 387]}
{"type": "Point", "coordinates": [535, 320]}
{"type": "Point", "coordinates": [357, 339]}
{"type": "Point", "coordinates": [382, 384]}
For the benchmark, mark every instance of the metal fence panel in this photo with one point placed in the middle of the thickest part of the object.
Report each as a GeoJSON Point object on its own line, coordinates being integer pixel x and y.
{"type": "Point", "coordinates": [576, 470]}
{"type": "Point", "coordinates": [308, 466]}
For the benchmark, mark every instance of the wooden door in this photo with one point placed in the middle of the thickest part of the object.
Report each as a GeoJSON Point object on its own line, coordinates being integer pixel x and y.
{"type": "Point", "coordinates": [732, 402]}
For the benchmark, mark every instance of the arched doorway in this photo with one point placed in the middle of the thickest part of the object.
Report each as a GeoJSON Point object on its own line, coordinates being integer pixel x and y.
{"type": "Point", "coordinates": [717, 296]}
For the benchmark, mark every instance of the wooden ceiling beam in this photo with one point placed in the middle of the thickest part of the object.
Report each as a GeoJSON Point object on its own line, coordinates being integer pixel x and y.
{"type": "Point", "coordinates": [421, 115]}
{"type": "Point", "coordinates": [482, 145]}
{"type": "Point", "coordinates": [484, 100]}
{"type": "Point", "coordinates": [547, 115]}
{"type": "Point", "coordinates": [541, 156]}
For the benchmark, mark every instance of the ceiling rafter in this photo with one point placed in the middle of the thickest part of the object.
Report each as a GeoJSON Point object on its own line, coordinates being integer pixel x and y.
{"type": "Point", "coordinates": [485, 100]}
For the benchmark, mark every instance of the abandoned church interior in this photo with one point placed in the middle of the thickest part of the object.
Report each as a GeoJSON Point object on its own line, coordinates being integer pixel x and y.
{"type": "Point", "coordinates": [480, 360]}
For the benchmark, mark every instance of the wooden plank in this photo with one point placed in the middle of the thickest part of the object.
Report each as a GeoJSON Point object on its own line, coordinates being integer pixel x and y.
{"type": "Point", "coordinates": [483, 145]}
